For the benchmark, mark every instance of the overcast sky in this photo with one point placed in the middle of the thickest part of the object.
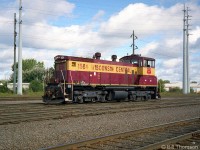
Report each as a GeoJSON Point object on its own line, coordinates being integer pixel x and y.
{"type": "Point", "coordinates": [83, 27]}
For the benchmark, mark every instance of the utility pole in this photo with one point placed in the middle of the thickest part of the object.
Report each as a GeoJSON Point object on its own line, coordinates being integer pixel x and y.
{"type": "Point", "coordinates": [184, 55]}
{"type": "Point", "coordinates": [15, 36]}
{"type": "Point", "coordinates": [187, 51]}
{"type": "Point", "coordinates": [133, 45]}
{"type": "Point", "coordinates": [186, 80]}
{"type": "Point", "coordinates": [19, 87]}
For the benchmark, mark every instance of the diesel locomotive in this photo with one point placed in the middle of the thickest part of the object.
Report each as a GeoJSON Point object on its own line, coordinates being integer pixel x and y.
{"type": "Point", "coordinates": [79, 80]}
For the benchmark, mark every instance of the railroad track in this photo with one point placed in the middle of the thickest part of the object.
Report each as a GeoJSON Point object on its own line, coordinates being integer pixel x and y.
{"type": "Point", "coordinates": [174, 135]}
{"type": "Point", "coordinates": [10, 114]}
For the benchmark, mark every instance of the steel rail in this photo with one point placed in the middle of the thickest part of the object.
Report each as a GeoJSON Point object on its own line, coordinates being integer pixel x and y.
{"type": "Point", "coordinates": [169, 141]}
{"type": "Point", "coordinates": [151, 102]}
{"type": "Point", "coordinates": [58, 113]}
{"type": "Point", "coordinates": [17, 107]}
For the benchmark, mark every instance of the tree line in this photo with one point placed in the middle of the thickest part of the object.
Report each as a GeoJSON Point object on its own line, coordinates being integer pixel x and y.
{"type": "Point", "coordinates": [33, 72]}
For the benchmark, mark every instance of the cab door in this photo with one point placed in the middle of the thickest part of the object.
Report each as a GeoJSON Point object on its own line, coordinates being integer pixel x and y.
{"type": "Point", "coordinates": [60, 71]}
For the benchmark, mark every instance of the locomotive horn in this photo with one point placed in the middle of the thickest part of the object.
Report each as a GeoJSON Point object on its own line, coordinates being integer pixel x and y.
{"type": "Point", "coordinates": [97, 55]}
{"type": "Point", "coordinates": [114, 57]}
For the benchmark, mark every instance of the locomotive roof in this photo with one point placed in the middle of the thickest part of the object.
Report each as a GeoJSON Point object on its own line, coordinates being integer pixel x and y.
{"type": "Point", "coordinates": [59, 58]}
{"type": "Point", "coordinates": [62, 57]}
{"type": "Point", "coordinates": [135, 57]}
{"type": "Point", "coordinates": [92, 60]}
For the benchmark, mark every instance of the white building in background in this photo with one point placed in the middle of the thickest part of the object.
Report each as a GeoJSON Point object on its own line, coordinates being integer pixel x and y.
{"type": "Point", "coordinates": [173, 85]}
{"type": "Point", "coordinates": [24, 86]}
{"type": "Point", "coordinates": [194, 86]}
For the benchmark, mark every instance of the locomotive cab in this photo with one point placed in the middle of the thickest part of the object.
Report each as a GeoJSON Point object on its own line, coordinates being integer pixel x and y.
{"type": "Point", "coordinates": [145, 72]}
{"type": "Point", "coordinates": [139, 61]}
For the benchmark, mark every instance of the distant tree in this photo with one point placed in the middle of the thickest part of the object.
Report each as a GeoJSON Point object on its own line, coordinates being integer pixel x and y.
{"type": "Point", "coordinates": [161, 84]}
{"type": "Point", "coordinates": [48, 74]}
{"type": "Point", "coordinates": [166, 81]}
{"type": "Point", "coordinates": [193, 82]}
{"type": "Point", "coordinates": [175, 90]}
{"type": "Point", "coordinates": [31, 70]}
{"type": "Point", "coordinates": [3, 87]}
{"type": "Point", "coordinates": [36, 86]}
{"type": "Point", "coordinates": [192, 90]}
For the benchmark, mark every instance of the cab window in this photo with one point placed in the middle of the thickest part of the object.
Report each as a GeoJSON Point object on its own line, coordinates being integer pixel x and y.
{"type": "Point", "coordinates": [151, 63]}
{"type": "Point", "coordinates": [148, 63]}
{"type": "Point", "coordinates": [134, 61]}
{"type": "Point", "coordinates": [145, 63]}
{"type": "Point", "coordinates": [141, 63]}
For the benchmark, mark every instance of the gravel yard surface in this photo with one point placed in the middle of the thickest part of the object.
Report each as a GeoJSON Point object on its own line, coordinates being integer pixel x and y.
{"type": "Point", "coordinates": [20, 102]}
{"type": "Point", "coordinates": [41, 134]}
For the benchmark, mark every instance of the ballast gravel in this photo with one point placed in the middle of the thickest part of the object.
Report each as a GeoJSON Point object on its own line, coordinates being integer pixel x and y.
{"type": "Point", "coordinates": [47, 133]}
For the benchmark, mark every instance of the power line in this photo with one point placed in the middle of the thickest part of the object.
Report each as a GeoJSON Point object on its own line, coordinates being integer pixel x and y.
{"type": "Point", "coordinates": [134, 37]}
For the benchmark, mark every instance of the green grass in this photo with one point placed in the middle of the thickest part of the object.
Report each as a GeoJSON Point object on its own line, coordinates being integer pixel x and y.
{"type": "Point", "coordinates": [25, 94]}
{"type": "Point", "coordinates": [178, 94]}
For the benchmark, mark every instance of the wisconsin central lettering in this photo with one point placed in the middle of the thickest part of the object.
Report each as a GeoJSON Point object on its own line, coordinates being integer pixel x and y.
{"type": "Point", "coordinates": [109, 68]}
{"type": "Point", "coordinates": [103, 68]}
{"type": "Point", "coordinates": [123, 69]}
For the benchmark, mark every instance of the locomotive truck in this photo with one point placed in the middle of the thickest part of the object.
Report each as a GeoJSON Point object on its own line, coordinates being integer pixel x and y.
{"type": "Point", "coordinates": [79, 80]}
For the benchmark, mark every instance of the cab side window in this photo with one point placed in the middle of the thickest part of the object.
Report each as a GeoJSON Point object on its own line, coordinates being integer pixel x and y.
{"type": "Point", "coordinates": [145, 63]}
{"type": "Point", "coordinates": [151, 63]}
{"type": "Point", "coordinates": [140, 63]}
{"type": "Point", "coordinates": [134, 61]}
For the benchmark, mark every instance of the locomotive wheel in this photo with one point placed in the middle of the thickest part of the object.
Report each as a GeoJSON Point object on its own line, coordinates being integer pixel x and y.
{"type": "Point", "coordinates": [147, 97]}
{"type": "Point", "coordinates": [132, 98]}
{"type": "Point", "coordinates": [93, 100]}
{"type": "Point", "coordinates": [102, 99]}
{"type": "Point", "coordinates": [109, 96]}
{"type": "Point", "coordinates": [143, 98]}
{"type": "Point", "coordinates": [80, 100]}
